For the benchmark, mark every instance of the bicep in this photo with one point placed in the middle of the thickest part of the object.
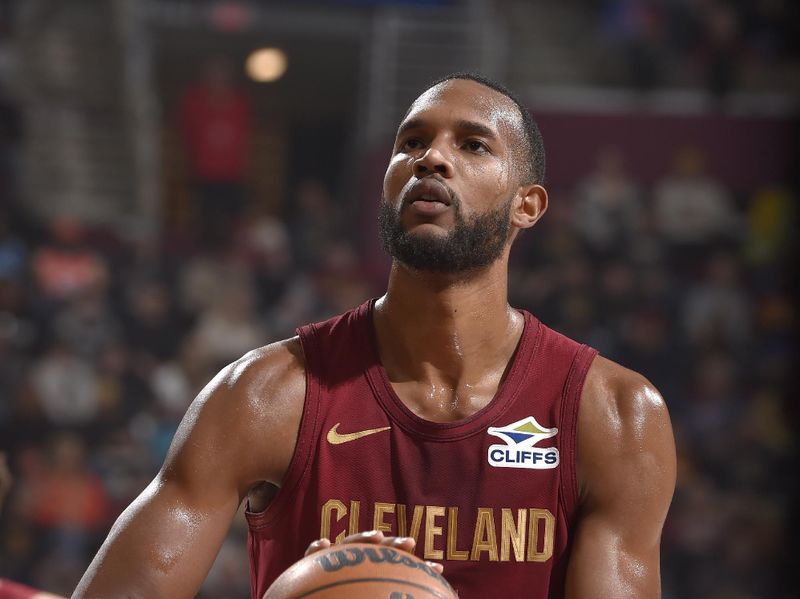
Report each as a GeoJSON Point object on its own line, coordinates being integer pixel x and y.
{"type": "Point", "coordinates": [614, 557]}
{"type": "Point", "coordinates": [626, 454]}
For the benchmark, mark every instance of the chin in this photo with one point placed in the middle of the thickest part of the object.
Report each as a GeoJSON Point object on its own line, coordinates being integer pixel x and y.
{"type": "Point", "coordinates": [426, 230]}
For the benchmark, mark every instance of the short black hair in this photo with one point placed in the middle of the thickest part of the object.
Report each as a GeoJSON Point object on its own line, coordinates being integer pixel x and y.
{"type": "Point", "coordinates": [534, 149]}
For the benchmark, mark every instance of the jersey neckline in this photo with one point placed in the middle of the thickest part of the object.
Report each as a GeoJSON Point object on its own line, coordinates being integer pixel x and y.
{"type": "Point", "coordinates": [448, 431]}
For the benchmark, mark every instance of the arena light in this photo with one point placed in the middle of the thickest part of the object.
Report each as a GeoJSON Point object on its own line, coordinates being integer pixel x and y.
{"type": "Point", "coordinates": [266, 64]}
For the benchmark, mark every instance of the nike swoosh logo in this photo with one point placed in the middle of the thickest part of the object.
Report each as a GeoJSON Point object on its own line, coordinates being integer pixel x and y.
{"type": "Point", "coordinates": [335, 438]}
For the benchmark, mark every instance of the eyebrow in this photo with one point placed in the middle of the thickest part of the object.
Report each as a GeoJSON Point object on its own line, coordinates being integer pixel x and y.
{"type": "Point", "coordinates": [469, 126]}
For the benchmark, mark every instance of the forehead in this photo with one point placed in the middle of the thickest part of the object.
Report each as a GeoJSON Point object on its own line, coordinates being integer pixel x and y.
{"type": "Point", "coordinates": [464, 99]}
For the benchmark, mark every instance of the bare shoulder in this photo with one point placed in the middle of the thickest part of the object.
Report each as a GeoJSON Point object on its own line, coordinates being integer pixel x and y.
{"type": "Point", "coordinates": [620, 399]}
{"type": "Point", "coordinates": [265, 382]}
{"type": "Point", "coordinates": [246, 418]}
{"type": "Point", "coordinates": [624, 434]}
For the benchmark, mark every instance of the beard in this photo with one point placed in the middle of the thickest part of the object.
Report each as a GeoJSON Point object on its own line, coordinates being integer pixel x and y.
{"type": "Point", "coordinates": [471, 244]}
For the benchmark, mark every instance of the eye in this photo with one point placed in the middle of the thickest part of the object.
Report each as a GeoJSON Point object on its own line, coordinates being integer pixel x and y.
{"type": "Point", "coordinates": [411, 144]}
{"type": "Point", "coordinates": [475, 146]}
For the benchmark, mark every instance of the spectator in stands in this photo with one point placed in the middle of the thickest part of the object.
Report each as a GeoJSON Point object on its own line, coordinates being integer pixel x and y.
{"type": "Point", "coordinates": [266, 243]}
{"type": "Point", "coordinates": [215, 123]}
{"type": "Point", "coordinates": [69, 505]}
{"type": "Point", "coordinates": [9, 589]}
{"type": "Point", "coordinates": [339, 278]}
{"type": "Point", "coordinates": [608, 211]}
{"type": "Point", "coordinates": [19, 334]}
{"type": "Point", "coordinates": [716, 310]}
{"type": "Point", "coordinates": [70, 498]}
{"type": "Point", "coordinates": [636, 25]}
{"type": "Point", "coordinates": [692, 210]}
{"type": "Point", "coordinates": [65, 264]}
{"type": "Point", "coordinates": [175, 383]}
{"type": "Point", "coordinates": [123, 386]}
{"type": "Point", "coordinates": [300, 303]}
{"type": "Point", "coordinates": [203, 275]}
{"type": "Point", "coordinates": [13, 253]}
{"type": "Point", "coordinates": [231, 327]}
{"type": "Point", "coordinates": [716, 404]}
{"type": "Point", "coordinates": [65, 386]}
{"type": "Point", "coordinates": [771, 224]}
{"type": "Point", "coordinates": [316, 222]}
{"type": "Point", "coordinates": [618, 292]}
{"type": "Point", "coordinates": [722, 45]}
{"type": "Point", "coordinates": [87, 324]}
{"type": "Point", "coordinates": [153, 329]}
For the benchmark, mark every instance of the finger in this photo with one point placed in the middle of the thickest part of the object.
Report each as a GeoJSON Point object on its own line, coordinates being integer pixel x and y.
{"type": "Point", "coordinates": [439, 568]}
{"type": "Point", "coordinates": [318, 545]}
{"type": "Point", "coordinates": [402, 543]}
{"type": "Point", "coordinates": [369, 536]}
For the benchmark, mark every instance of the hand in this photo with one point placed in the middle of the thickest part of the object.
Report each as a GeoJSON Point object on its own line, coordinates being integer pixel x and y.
{"type": "Point", "coordinates": [375, 537]}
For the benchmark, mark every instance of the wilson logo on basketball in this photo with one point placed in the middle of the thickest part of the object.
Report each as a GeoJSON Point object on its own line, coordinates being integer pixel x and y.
{"type": "Point", "coordinates": [519, 450]}
{"type": "Point", "coordinates": [347, 556]}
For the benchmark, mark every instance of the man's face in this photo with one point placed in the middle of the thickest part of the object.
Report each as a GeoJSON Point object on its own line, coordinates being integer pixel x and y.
{"type": "Point", "coordinates": [450, 184]}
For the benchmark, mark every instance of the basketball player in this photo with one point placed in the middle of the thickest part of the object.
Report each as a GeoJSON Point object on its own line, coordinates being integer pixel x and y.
{"type": "Point", "coordinates": [437, 415]}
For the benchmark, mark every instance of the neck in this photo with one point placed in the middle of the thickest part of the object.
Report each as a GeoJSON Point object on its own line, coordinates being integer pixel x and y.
{"type": "Point", "coordinates": [446, 330]}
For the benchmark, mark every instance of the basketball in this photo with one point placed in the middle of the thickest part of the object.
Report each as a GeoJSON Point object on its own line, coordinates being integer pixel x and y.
{"type": "Point", "coordinates": [360, 571]}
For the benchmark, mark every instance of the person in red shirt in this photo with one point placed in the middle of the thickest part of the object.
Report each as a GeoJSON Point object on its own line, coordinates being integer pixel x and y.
{"type": "Point", "coordinates": [440, 416]}
{"type": "Point", "coordinates": [215, 124]}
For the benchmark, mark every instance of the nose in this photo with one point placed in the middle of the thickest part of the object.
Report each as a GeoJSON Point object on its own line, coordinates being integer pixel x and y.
{"type": "Point", "coordinates": [432, 161]}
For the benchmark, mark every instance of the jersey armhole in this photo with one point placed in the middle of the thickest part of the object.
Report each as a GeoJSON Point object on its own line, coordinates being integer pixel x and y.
{"type": "Point", "coordinates": [304, 446]}
{"type": "Point", "coordinates": [573, 387]}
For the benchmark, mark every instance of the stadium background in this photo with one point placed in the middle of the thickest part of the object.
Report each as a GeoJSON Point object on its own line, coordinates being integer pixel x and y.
{"type": "Point", "coordinates": [147, 238]}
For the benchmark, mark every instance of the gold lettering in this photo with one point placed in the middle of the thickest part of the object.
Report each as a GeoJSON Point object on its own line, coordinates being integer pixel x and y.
{"type": "Point", "coordinates": [485, 538]}
{"type": "Point", "coordinates": [325, 528]}
{"type": "Point", "coordinates": [452, 536]}
{"type": "Point", "coordinates": [534, 554]}
{"type": "Point", "coordinates": [540, 537]}
{"type": "Point", "coordinates": [402, 522]}
{"type": "Point", "coordinates": [512, 534]}
{"type": "Point", "coordinates": [378, 522]}
{"type": "Point", "coordinates": [431, 531]}
{"type": "Point", "coordinates": [355, 508]}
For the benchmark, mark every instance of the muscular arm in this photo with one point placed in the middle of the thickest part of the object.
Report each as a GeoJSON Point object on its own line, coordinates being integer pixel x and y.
{"type": "Point", "coordinates": [239, 432]}
{"type": "Point", "coordinates": [626, 467]}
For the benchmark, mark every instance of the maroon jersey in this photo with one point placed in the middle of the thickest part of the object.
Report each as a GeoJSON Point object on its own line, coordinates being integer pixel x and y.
{"type": "Point", "coordinates": [493, 496]}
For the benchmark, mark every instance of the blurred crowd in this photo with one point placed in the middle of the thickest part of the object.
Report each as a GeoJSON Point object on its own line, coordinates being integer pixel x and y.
{"type": "Point", "coordinates": [103, 344]}
{"type": "Point", "coordinates": [722, 44]}
{"type": "Point", "coordinates": [105, 339]}
{"type": "Point", "coordinates": [688, 284]}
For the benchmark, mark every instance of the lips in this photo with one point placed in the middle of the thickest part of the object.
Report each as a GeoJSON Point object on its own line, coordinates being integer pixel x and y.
{"type": "Point", "coordinates": [429, 190]}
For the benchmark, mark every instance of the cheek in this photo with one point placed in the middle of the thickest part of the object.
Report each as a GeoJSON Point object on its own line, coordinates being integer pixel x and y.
{"type": "Point", "coordinates": [397, 175]}
{"type": "Point", "coordinates": [491, 178]}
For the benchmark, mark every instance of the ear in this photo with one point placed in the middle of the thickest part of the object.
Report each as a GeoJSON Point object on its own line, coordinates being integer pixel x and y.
{"type": "Point", "coordinates": [529, 206]}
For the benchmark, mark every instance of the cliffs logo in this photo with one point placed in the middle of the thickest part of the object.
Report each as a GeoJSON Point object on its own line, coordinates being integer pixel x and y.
{"type": "Point", "coordinates": [519, 450]}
